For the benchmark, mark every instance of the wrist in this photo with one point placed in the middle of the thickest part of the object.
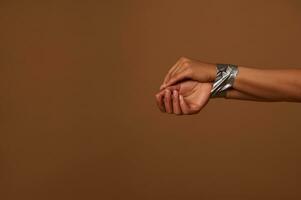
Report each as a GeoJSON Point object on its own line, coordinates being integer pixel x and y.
{"type": "Point", "coordinates": [211, 71]}
{"type": "Point", "coordinates": [226, 75]}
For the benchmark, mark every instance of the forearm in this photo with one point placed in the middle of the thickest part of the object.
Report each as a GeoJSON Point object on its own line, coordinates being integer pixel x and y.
{"type": "Point", "coordinates": [269, 84]}
{"type": "Point", "coordinates": [238, 95]}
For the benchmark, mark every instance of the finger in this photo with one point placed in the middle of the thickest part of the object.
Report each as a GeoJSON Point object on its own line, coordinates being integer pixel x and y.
{"type": "Point", "coordinates": [174, 87]}
{"type": "Point", "coordinates": [167, 101]}
{"type": "Point", "coordinates": [176, 103]}
{"type": "Point", "coordinates": [159, 101]}
{"type": "Point", "coordinates": [174, 68]}
{"type": "Point", "coordinates": [180, 67]}
{"type": "Point", "coordinates": [179, 76]}
{"type": "Point", "coordinates": [182, 64]}
{"type": "Point", "coordinates": [184, 107]}
{"type": "Point", "coordinates": [168, 74]}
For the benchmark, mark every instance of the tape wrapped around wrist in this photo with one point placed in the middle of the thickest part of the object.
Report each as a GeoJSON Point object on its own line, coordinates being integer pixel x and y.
{"type": "Point", "coordinates": [225, 77]}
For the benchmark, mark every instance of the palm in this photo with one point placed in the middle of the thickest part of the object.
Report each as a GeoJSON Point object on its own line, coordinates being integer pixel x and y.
{"type": "Point", "coordinates": [195, 94]}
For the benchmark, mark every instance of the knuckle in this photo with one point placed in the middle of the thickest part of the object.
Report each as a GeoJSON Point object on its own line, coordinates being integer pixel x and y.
{"type": "Point", "coordinates": [183, 59]}
{"type": "Point", "coordinates": [186, 64]}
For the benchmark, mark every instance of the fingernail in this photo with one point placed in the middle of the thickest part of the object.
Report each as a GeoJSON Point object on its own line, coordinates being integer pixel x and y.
{"type": "Point", "coordinates": [175, 93]}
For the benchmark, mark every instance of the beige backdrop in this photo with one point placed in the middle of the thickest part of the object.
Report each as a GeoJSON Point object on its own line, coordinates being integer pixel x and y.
{"type": "Point", "coordinates": [78, 118]}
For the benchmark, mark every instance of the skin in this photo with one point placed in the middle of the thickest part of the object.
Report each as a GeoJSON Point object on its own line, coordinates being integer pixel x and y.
{"type": "Point", "coordinates": [188, 97]}
{"type": "Point", "coordinates": [187, 85]}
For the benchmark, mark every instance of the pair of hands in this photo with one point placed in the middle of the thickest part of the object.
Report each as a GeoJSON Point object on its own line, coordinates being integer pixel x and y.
{"type": "Point", "coordinates": [186, 87]}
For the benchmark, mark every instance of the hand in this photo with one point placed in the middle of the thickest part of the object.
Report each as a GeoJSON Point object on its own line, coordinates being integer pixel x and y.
{"type": "Point", "coordinates": [186, 68]}
{"type": "Point", "coordinates": [187, 97]}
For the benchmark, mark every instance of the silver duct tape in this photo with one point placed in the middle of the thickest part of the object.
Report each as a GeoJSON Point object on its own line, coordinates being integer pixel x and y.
{"type": "Point", "coordinates": [226, 74]}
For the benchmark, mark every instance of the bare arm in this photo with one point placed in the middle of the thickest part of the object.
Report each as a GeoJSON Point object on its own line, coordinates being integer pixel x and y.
{"type": "Point", "coordinates": [235, 94]}
{"type": "Point", "coordinates": [251, 83]}
{"type": "Point", "coordinates": [196, 79]}
{"type": "Point", "coordinates": [269, 84]}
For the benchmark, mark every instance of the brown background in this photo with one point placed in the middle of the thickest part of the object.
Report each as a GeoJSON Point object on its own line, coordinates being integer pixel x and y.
{"type": "Point", "coordinates": [78, 118]}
